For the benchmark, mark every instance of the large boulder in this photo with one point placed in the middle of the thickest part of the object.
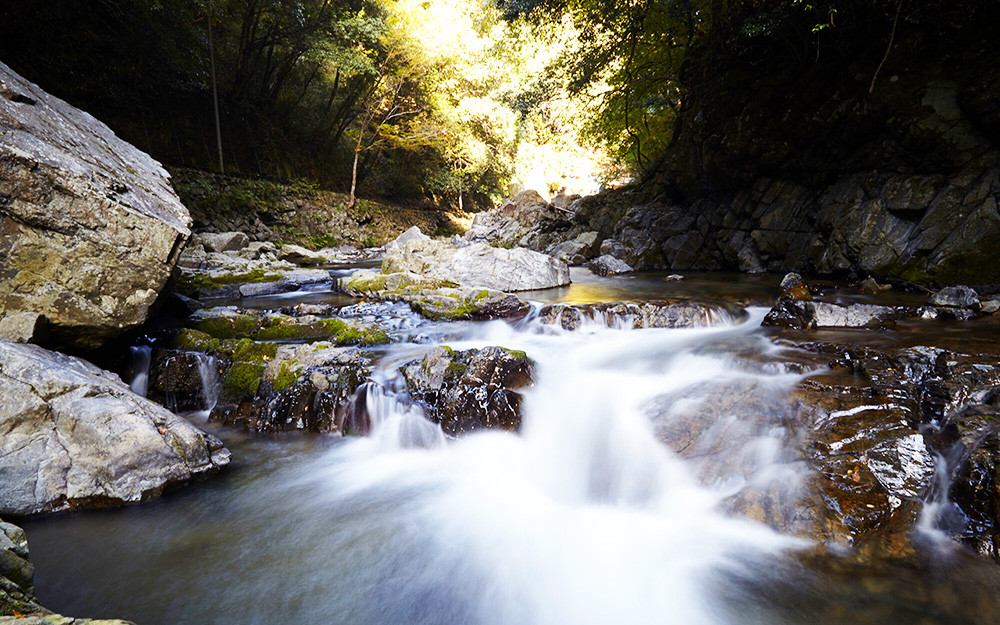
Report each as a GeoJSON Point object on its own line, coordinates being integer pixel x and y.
{"type": "Point", "coordinates": [75, 435]}
{"type": "Point", "coordinates": [476, 265]}
{"type": "Point", "coordinates": [90, 228]}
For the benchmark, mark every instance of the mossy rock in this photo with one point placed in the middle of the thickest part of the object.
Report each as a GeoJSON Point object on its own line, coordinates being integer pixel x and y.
{"type": "Point", "coordinates": [194, 283]}
{"type": "Point", "coordinates": [256, 352]}
{"type": "Point", "coordinates": [334, 330]}
{"type": "Point", "coordinates": [228, 327]}
{"type": "Point", "coordinates": [287, 376]}
{"type": "Point", "coordinates": [242, 380]}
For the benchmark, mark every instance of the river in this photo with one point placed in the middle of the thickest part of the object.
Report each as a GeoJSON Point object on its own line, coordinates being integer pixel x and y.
{"type": "Point", "coordinates": [583, 517]}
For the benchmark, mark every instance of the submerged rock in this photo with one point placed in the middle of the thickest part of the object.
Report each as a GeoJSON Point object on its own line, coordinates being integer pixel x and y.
{"type": "Point", "coordinates": [90, 228]}
{"type": "Point", "coordinates": [472, 389]}
{"type": "Point", "coordinates": [76, 435]}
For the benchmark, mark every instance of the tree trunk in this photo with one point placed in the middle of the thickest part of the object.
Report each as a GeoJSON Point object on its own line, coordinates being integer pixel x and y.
{"type": "Point", "coordinates": [354, 180]}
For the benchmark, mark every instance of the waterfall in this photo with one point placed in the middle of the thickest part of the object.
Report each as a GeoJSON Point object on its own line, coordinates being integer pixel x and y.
{"type": "Point", "coordinates": [584, 517]}
{"type": "Point", "coordinates": [140, 368]}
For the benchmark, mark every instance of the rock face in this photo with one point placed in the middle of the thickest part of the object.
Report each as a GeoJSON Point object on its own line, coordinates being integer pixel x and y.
{"type": "Point", "coordinates": [75, 435]}
{"type": "Point", "coordinates": [525, 220]}
{"type": "Point", "coordinates": [89, 226]}
{"type": "Point", "coordinates": [472, 389]}
{"type": "Point", "coordinates": [476, 265]}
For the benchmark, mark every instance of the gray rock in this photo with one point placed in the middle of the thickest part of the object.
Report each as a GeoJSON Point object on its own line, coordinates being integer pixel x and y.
{"type": "Point", "coordinates": [956, 297]}
{"type": "Point", "coordinates": [301, 256]}
{"type": "Point", "coordinates": [611, 247]}
{"type": "Point", "coordinates": [608, 265]}
{"type": "Point", "coordinates": [223, 241]}
{"type": "Point", "coordinates": [90, 228]}
{"type": "Point", "coordinates": [791, 280]}
{"type": "Point", "coordinates": [75, 435]}
{"type": "Point", "coordinates": [990, 306]}
{"type": "Point", "coordinates": [477, 265]}
{"type": "Point", "coordinates": [637, 315]}
{"type": "Point", "coordinates": [791, 313]}
{"type": "Point", "coordinates": [25, 327]}
{"type": "Point", "coordinates": [413, 234]}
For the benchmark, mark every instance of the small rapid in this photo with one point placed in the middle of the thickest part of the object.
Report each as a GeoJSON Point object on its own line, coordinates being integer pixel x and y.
{"type": "Point", "coordinates": [583, 517]}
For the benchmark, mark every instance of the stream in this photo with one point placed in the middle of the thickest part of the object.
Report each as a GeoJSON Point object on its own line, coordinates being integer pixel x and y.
{"type": "Point", "coordinates": [584, 517]}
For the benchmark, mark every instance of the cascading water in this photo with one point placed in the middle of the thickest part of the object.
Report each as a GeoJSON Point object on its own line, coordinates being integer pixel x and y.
{"type": "Point", "coordinates": [585, 517]}
{"type": "Point", "coordinates": [140, 368]}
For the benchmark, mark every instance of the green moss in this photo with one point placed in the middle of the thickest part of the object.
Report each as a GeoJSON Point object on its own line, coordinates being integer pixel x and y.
{"type": "Point", "coordinates": [198, 282]}
{"type": "Point", "coordinates": [516, 353]}
{"type": "Point", "coordinates": [334, 330]}
{"type": "Point", "coordinates": [229, 327]}
{"type": "Point", "coordinates": [367, 285]}
{"type": "Point", "coordinates": [194, 341]}
{"type": "Point", "coordinates": [287, 376]}
{"type": "Point", "coordinates": [456, 368]}
{"type": "Point", "coordinates": [242, 380]}
{"type": "Point", "coordinates": [252, 351]}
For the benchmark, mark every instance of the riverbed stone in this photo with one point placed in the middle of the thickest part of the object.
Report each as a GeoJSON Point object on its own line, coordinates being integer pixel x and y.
{"type": "Point", "coordinates": [223, 241]}
{"type": "Point", "coordinates": [956, 297]}
{"type": "Point", "coordinates": [77, 436]}
{"type": "Point", "coordinates": [299, 255]}
{"type": "Point", "coordinates": [90, 228]}
{"type": "Point", "coordinates": [637, 315]}
{"type": "Point", "coordinates": [471, 389]}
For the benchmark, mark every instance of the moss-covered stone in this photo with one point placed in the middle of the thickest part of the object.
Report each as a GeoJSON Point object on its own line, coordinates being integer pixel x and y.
{"type": "Point", "coordinates": [287, 376]}
{"type": "Point", "coordinates": [196, 282]}
{"type": "Point", "coordinates": [252, 351]}
{"type": "Point", "coordinates": [368, 283]}
{"type": "Point", "coordinates": [228, 327]}
{"type": "Point", "coordinates": [242, 380]}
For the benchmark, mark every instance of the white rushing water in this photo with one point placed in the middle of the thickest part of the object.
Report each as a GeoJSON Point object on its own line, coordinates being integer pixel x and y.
{"type": "Point", "coordinates": [584, 517]}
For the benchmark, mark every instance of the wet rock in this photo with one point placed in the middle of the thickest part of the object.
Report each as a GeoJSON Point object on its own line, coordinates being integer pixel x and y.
{"type": "Point", "coordinates": [223, 241]}
{"type": "Point", "coordinates": [956, 297]}
{"type": "Point", "coordinates": [433, 298]}
{"type": "Point", "coordinates": [793, 287]}
{"type": "Point", "coordinates": [791, 313]}
{"type": "Point", "coordinates": [304, 387]}
{"type": "Point", "coordinates": [579, 250]}
{"type": "Point", "coordinates": [90, 228]}
{"type": "Point", "coordinates": [636, 315]}
{"type": "Point", "coordinates": [608, 265]}
{"type": "Point", "coordinates": [869, 286]}
{"type": "Point", "coordinates": [76, 435]}
{"type": "Point", "coordinates": [472, 389]}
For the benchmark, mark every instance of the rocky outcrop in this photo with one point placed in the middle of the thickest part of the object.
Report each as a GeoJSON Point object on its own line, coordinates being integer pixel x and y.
{"type": "Point", "coordinates": [525, 220]}
{"type": "Point", "coordinates": [75, 435]}
{"type": "Point", "coordinates": [636, 315]}
{"type": "Point", "coordinates": [89, 226]}
{"type": "Point", "coordinates": [472, 389]}
{"type": "Point", "coordinates": [265, 372]}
